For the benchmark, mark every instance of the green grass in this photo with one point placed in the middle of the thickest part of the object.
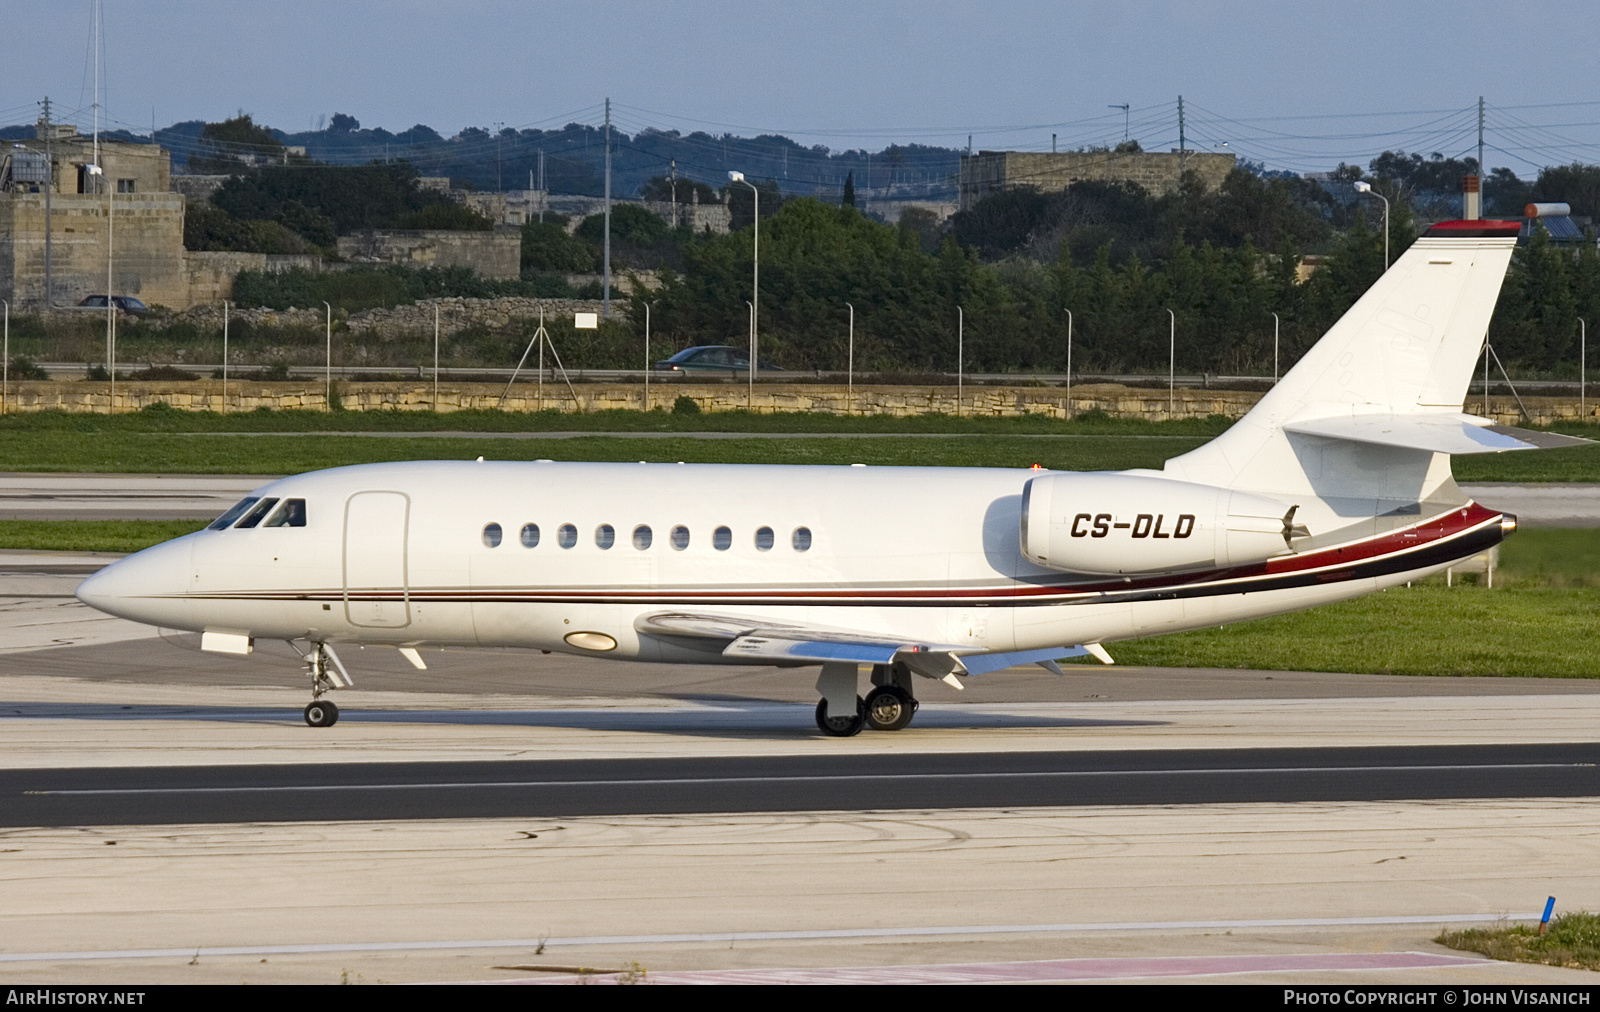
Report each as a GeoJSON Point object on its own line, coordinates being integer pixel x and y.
{"type": "Point", "coordinates": [92, 535]}
{"type": "Point", "coordinates": [292, 454]}
{"type": "Point", "coordinates": [1571, 940]}
{"type": "Point", "coordinates": [1540, 620]}
{"type": "Point", "coordinates": [288, 442]}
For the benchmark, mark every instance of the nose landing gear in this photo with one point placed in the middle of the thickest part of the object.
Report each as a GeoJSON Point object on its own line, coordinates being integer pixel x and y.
{"type": "Point", "coordinates": [327, 672]}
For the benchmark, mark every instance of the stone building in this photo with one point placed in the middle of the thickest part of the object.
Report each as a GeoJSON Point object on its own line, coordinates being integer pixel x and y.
{"type": "Point", "coordinates": [990, 172]}
{"type": "Point", "coordinates": [128, 214]}
{"type": "Point", "coordinates": [496, 254]}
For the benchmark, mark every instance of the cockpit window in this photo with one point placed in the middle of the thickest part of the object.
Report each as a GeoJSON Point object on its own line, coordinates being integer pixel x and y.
{"type": "Point", "coordinates": [257, 511]}
{"type": "Point", "coordinates": [227, 519]}
{"type": "Point", "coordinates": [291, 514]}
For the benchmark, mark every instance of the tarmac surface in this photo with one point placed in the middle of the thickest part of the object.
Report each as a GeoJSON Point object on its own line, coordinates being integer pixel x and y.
{"type": "Point", "coordinates": [850, 875]}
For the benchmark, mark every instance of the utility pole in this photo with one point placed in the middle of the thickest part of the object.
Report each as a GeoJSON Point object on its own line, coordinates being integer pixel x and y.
{"type": "Point", "coordinates": [50, 184]}
{"type": "Point", "coordinates": [1124, 107]}
{"type": "Point", "coordinates": [1482, 172]}
{"type": "Point", "coordinates": [1183, 145]}
{"type": "Point", "coordinates": [674, 197]}
{"type": "Point", "coordinates": [606, 304]}
{"type": "Point", "coordinates": [543, 192]}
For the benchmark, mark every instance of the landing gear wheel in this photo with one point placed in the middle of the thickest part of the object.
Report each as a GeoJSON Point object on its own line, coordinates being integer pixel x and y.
{"type": "Point", "coordinates": [841, 727]}
{"type": "Point", "coordinates": [889, 708]}
{"type": "Point", "coordinates": [321, 713]}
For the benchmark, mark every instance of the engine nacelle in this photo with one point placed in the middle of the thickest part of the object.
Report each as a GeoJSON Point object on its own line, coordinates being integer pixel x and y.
{"type": "Point", "coordinates": [1121, 524]}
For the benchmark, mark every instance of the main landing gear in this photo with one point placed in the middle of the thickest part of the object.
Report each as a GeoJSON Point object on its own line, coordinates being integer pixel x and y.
{"type": "Point", "coordinates": [326, 672]}
{"type": "Point", "coordinates": [888, 707]}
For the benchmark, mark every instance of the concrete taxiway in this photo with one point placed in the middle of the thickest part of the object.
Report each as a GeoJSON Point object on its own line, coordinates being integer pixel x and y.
{"type": "Point", "coordinates": [879, 883]}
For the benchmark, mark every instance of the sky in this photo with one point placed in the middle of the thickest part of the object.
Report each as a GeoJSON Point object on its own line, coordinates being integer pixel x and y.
{"type": "Point", "coordinates": [1293, 85]}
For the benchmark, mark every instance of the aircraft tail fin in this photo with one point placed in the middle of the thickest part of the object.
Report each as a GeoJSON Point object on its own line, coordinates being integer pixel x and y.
{"type": "Point", "coordinates": [1373, 410]}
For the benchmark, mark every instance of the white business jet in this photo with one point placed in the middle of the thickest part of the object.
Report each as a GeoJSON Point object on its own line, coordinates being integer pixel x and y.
{"type": "Point", "coordinates": [1336, 484]}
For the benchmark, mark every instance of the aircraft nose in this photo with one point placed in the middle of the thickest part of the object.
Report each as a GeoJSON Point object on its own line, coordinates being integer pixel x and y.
{"type": "Point", "coordinates": [149, 586]}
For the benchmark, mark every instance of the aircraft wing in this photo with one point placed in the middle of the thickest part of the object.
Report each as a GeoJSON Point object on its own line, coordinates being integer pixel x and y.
{"type": "Point", "coordinates": [776, 642]}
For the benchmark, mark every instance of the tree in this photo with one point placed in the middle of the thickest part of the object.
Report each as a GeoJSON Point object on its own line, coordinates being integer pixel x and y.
{"type": "Point", "coordinates": [741, 201]}
{"type": "Point", "coordinates": [849, 190]}
{"type": "Point", "coordinates": [664, 187]}
{"type": "Point", "coordinates": [546, 247]}
{"type": "Point", "coordinates": [342, 124]}
{"type": "Point", "coordinates": [629, 223]}
{"type": "Point", "coordinates": [233, 145]}
{"type": "Point", "coordinates": [1575, 184]}
{"type": "Point", "coordinates": [349, 197]}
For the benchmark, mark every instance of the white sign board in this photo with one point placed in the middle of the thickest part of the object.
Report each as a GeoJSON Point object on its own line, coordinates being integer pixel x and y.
{"type": "Point", "coordinates": [586, 321]}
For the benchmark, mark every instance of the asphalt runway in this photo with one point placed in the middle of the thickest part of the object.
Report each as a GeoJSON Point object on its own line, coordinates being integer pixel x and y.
{"type": "Point", "coordinates": [707, 785]}
{"type": "Point", "coordinates": [45, 496]}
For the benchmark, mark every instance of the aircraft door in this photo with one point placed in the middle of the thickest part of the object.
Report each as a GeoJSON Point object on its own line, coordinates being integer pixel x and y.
{"type": "Point", "coordinates": [376, 591]}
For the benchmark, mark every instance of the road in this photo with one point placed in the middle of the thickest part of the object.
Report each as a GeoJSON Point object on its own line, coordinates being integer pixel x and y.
{"type": "Point", "coordinates": [708, 785]}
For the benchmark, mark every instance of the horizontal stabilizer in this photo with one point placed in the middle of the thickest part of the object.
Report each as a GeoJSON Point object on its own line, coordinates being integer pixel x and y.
{"type": "Point", "coordinates": [1441, 432]}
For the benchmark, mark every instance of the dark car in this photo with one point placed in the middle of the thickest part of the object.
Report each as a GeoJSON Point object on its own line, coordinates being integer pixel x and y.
{"type": "Point", "coordinates": [127, 303]}
{"type": "Point", "coordinates": [719, 357]}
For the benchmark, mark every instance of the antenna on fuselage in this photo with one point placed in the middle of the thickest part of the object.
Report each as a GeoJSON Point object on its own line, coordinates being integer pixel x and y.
{"type": "Point", "coordinates": [541, 338]}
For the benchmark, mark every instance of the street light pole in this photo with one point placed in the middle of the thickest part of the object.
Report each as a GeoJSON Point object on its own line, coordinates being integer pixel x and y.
{"type": "Point", "coordinates": [1362, 186]}
{"type": "Point", "coordinates": [224, 356]}
{"type": "Point", "coordinates": [1066, 407]}
{"type": "Point", "coordinates": [755, 276]}
{"type": "Point", "coordinates": [961, 339]}
{"type": "Point", "coordinates": [1274, 349]}
{"type": "Point", "coordinates": [647, 356]}
{"type": "Point", "coordinates": [436, 358]}
{"type": "Point", "coordinates": [1172, 365]}
{"type": "Point", "coordinates": [328, 369]}
{"type": "Point", "coordinates": [850, 366]}
{"type": "Point", "coordinates": [1583, 367]}
{"type": "Point", "coordinates": [750, 366]}
{"type": "Point", "coordinates": [5, 361]}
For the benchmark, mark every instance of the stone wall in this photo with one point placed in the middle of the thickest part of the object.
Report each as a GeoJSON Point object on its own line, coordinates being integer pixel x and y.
{"type": "Point", "coordinates": [990, 401]}
{"type": "Point", "coordinates": [459, 314]}
{"type": "Point", "coordinates": [496, 255]}
{"type": "Point", "coordinates": [1157, 171]}
{"type": "Point", "coordinates": [146, 247]}
{"type": "Point", "coordinates": [210, 274]}
{"type": "Point", "coordinates": [196, 188]}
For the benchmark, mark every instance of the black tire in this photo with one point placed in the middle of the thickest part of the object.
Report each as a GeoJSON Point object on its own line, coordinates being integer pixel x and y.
{"type": "Point", "coordinates": [889, 708]}
{"type": "Point", "coordinates": [841, 727]}
{"type": "Point", "coordinates": [322, 713]}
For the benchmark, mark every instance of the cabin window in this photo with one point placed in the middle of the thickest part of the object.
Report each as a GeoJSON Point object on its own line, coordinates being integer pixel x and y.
{"type": "Point", "coordinates": [722, 539]}
{"type": "Point", "coordinates": [680, 538]}
{"type": "Point", "coordinates": [227, 519]}
{"type": "Point", "coordinates": [764, 539]}
{"type": "Point", "coordinates": [530, 535]}
{"type": "Point", "coordinates": [605, 536]}
{"type": "Point", "coordinates": [566, 535]}
{"type": "Point", "coordinates": [491, 535]}
{"type": "Point", "coordinates": [291, 514]}
{"type": "Point", "coordinates": [642, 536]}
{"type": "Point", "coordinates": [801, 539]}
{"type": "Point", "coordinates": [257, 511]}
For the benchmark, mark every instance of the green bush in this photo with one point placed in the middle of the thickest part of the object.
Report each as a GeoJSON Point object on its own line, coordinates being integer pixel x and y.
{"type": "Point", "coordinates": [25, 368]}
{"type": "Point", "coordinates": [685, 405]}
{"type": "Point", "coordinates": [548, 247]}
